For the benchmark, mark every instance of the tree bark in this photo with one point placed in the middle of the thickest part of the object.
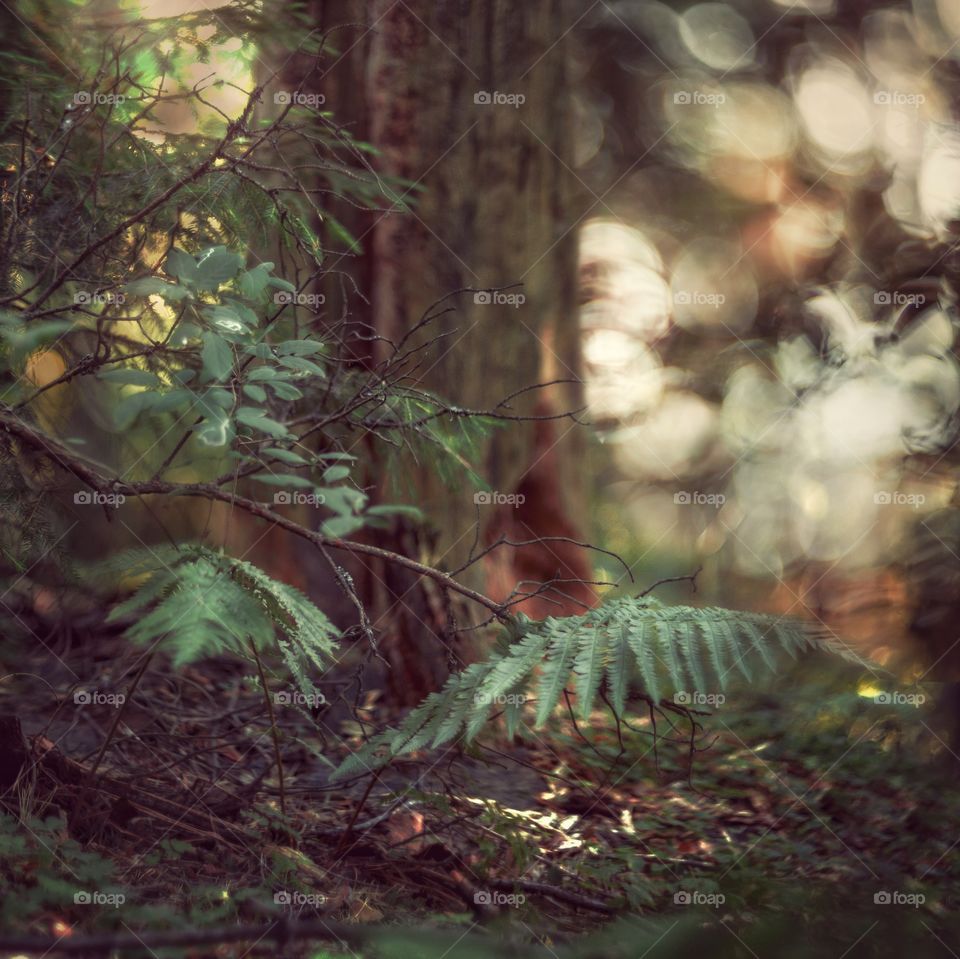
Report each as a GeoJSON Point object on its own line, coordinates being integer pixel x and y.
{"type": "Point", "coordinates": [470, 101]}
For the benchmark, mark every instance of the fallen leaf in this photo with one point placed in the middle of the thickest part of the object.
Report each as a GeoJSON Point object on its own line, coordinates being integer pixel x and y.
{"type": "Point", "coordinates": [403, 826]}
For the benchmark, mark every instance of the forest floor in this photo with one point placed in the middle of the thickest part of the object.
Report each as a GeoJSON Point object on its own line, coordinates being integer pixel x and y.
{"type": "Point", "coordinates": [806, 791]}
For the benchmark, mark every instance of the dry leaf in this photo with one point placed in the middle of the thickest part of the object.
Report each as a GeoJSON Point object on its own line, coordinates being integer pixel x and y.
{"type": "Point", "coordinates": [403, 826]}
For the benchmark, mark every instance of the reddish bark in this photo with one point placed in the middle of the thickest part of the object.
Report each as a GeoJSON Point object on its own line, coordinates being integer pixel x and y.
{"type": "Point", "coordinates": [540, 512]}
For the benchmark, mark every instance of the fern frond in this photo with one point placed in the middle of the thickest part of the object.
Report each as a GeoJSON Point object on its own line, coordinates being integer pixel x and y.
{"type": "Point", "coordinates": [727, 643]}
{"type": "Point", "coordinates": [640, 637]}
{"type": "Point", "coordinates": [659, 650]}
{"type": "Point", "coordinates": [667, 653]}
{"type": "Point", "coordinates": [688, 642]}
{"type": "Point", "coordinates": [618, 669]}
{"type": "Point", "coordinates": [311, 636]}
{"type": "Point", "coordinates": [196, 602]}
{"type": "Point", "coordinates": [461, 703]}
{"type": "Point", "coordinates": [757, 638]}
{"type": "Point", "coordinates": [136, 562]}
{"type": "Point", "coordinates": [513, 710]}
{"type": "Point", "coordinates": [588, 667]}
{"type": "Point", "coordinates": [556, 670]}
{"type": "Point", "coordinates": [511, 665]}
{"type": "Point", "coordinates": [201, 613]}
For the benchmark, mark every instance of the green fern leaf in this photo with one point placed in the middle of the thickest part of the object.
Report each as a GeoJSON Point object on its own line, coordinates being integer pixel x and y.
{"type": "Point", "coordinates": [687, 640]}
{"type": "Point", "coordinates": [642, 643]}
{"type": "Point", "coordinates": [715, 647]}
{"type": "Point", "coordinates": [618, 669]}
{"type": "Point", "coordinates": [669, 654]}
{"type": "Point", "coordinates": [197, 602]}
{"type": "Point", "coordinates": [374, 755]}
{"type": "Point", "coordinates": [203, 613]}
{"type": "Point", "coordinates": [513, 710]}
{"type": "Point", "coordinates": [311, 636]}
{"type": "Point", "coordinates": [556, 669]}
{"type": "Point", "coordinates": [515, 664]}
{"type": "Point", "coordinates": [588, 667]}
{"type": "Point", "coordinates": [664, 648]}
{"type": "Point", "coordinates": [724, 637]}
{"type": "Point", "coordinates": [751, 627]}
{"type": "Point", "coordinates": [463, 701]}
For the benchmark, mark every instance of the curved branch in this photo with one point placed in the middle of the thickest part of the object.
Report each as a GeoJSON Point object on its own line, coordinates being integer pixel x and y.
{"type": "Point", "coordinates": [90, 476]}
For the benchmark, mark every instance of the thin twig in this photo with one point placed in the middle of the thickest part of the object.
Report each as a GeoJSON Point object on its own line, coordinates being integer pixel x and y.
{"type": "Point", "coordinates": [273, 727]}
{"type": "Point", "coordinates": [692, 577]}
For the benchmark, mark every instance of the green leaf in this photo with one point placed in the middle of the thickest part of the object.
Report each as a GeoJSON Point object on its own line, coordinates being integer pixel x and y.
{"type": "Point", "coordinates": [301, 365]}
{"type": "Point", "coordinates": [299, 348]}
{"type": "Point", "coordinates": [185, 332]}
{"type": "Point", "coordinates": [284, 479]}
{"type": "Point", "coordinates": [182, 265]}
{"type": "Point", "coordinates": [217, 356]}
{"type": "Point", "coordinates": [343, 499]}
{"type": "Point", "coordinates": [339, 526]}
{"type": "Point", "coordinates": [396, 510]}
{"type": "Point", "coordinates": [26, 339]}
{"type": "Point", "coordinates": [618, 669]}
{"type": "Point", "coordinates": [216, 431]}
{"type": "Point", "coordinates": [285, 456]}
{"type": "Point", "coordinates": [213, 404]}
{"type": "Point", "coordinates": [226, 319]}
{"type": "Point", "coordinates": [556, 669]}
{"type": "Point", "coordinates": [588, 667]}
{"type": "Point", "coordinates": [334, 473]}
{"type": "Point", "coordinates": [340, 232]}
{"type": "Point", "coordinates": [129, 377]}
{"type": "Point", "coordinates": [153, 284]}
{"type": "Point", "coordinates": [619, 640]}
{"type": "Point", "coordinates": [262, 373]}
{"type": "Point", "coordinates": [128, 409]}
{"type": "Point", "coordinates": [256, 393]}
{"type": "Point", "coordinates": [642, 631]}
{"type": "Point", "coordinates": [255, 418]}
{"type": "Point", "coordinates": [215, 266]}
{"type": "Point", "coordinates": [206, 616]}
{"type": "Point", "coordinates": [253, 283]}
{"type": "Point", "coordinates": [286, 391]}
{"type": "Point", "coordinates": [195, 603]}
{"type": "Point", "coordinates": [168, 401]}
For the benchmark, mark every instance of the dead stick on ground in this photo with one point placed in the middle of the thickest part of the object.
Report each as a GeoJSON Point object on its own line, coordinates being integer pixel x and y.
{"type": "Point", "coordinates": [356, 814]}
{"type": "Point", "coordinates": [273, 728]}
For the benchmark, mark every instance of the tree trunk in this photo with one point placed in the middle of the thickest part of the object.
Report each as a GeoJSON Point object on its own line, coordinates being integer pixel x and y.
{"type": "Point", "coordinates": [471, 101]}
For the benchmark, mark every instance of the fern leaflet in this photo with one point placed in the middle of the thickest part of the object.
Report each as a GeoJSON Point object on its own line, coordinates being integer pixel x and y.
{"type": "Point", "coordinates": [659, 650]}
{"type": "Point", "coordinates": [196, 602]}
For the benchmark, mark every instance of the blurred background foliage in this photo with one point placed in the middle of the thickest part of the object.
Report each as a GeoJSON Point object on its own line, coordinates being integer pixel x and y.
{"type": "Point", "coordinates": [768, 285]}
{"type": "Point", "coordinates": [769, 278]}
